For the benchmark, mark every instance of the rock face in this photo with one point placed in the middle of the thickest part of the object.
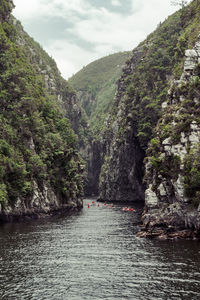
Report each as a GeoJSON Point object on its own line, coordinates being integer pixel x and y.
{"type": "Point", "coordinates": [121, 177]}
{"type": "Point", "coordinates": [172, 198]}
{"type": "Point", "coordinates": [95, 153]}
{"type": "Point", "coordinates": [44, 202]}
{"type": "Point", "coordinates": [135, 112]}
{"type": "Point", "coordinates": [121, 174]}
{"type": "Point", "coordinates": [96, 86]}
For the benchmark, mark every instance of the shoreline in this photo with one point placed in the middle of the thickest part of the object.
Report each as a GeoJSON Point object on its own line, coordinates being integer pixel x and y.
{"type": "Point", "coordinates": [36, 215]}
{"type": "Point", "coordinates": [172, 234]}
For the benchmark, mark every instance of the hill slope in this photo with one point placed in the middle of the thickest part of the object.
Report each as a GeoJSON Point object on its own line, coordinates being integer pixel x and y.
{"type": "Point", "coordinates": [40, 168]}
{"type": "Point", "coordinates": [96, 87]}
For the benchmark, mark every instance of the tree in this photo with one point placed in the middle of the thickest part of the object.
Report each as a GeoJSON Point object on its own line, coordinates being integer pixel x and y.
{"type": "Point", "coordinates": [6, 7]}
{"type": "Point", "coordinates": [181, 3]}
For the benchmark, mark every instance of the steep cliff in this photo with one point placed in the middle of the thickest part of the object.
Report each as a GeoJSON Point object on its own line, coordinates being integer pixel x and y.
{"type": "Point", "coordinates": [121, 174]}
{"type": "Point", "coordinates": [96, 86]}
{"type": "Point", "coordinates": [56, 86]}
{"type": "Point", "coordinates": [40, 168]}
{"type": "Point", "coordinates": [172, 202]}
{"type": "Point", "coordinates": [142, 90]}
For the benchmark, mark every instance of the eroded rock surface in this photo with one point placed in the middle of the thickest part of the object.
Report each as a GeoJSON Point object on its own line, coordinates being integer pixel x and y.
{"type": "Point", "coordinates": [172, 202]}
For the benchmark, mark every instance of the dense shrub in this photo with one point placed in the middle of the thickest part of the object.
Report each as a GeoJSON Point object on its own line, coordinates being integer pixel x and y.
{"type": "Point", "coordinates": [37, 142]}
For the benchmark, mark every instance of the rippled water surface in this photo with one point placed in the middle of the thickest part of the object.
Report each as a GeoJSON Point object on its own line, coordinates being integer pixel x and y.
{"type": "Point", "coordinates": [94, 254]}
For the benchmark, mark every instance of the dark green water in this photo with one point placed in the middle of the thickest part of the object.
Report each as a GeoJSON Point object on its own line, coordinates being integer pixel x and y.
{"type": "Point", "coordinates": [95, 254]}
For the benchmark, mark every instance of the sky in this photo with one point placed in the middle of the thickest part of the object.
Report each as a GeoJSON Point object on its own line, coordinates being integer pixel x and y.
{"type": "Point", "coordinates": [77, 32]}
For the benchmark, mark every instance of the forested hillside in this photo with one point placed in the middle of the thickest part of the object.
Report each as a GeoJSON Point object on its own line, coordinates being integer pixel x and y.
{"type": "Point", "coordinates": [96, 85]}
{"type": "Point", "coordinates": [40, 168]}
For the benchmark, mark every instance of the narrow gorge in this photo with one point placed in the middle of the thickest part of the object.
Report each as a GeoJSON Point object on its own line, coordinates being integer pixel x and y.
{"type": "Point", "coordinates": [100, 173]}
{"type": "Point", "coordinates": [125, 128]}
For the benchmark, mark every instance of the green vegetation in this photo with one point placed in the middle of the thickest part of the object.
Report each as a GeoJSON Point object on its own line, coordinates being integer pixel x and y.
{"type": "Point", "coordinates": [162, 55]}
{"type": "Point", "coordinates": [168, 166]}
{"type": "Point", "coordinates": [57, 87]}
{"type": "Point", "coordinates": [192, 175]}
{"type": "Point", "coordinates": [138, 116]}
{"type": "Point", "coordinates": [37, 143]}
{"type": "Point", "coordinates": [97, 84]}
{"type": "Point", "coordinates": [93, 76]}
{"type": "Point", "coordinates": [5, 9]}
{"type": "Point", "coordinates": [177, 121]}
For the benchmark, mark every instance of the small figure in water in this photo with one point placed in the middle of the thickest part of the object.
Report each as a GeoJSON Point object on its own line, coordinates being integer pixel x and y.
{"type": "Point", "coordinates": [128, 209]}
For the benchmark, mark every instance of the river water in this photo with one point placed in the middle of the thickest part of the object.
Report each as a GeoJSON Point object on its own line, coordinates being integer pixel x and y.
{"type": "Point", "coordinates": [94, 254]}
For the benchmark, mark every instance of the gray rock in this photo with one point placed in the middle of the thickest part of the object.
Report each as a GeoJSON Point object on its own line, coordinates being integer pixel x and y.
{"type": "Point", "coordinates": [167, 207]}
{"type": "Point", "coordinates": [151, 199]}
{"type": "Point", "coordinates": [191, 60]}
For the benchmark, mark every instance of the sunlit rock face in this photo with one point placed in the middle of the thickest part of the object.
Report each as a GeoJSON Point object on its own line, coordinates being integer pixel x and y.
{"type": "Point", "coordinates": [192, 58]}
{"type": "Point", "coordinates": [172, 169]}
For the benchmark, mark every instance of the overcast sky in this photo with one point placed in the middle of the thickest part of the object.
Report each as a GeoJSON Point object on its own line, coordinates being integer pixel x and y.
{"type": "Point", "coordinates": [76, 32]}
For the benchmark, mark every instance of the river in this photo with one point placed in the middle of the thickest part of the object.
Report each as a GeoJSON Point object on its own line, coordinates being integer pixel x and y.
{"type": "Point", "coordinates": [94, 254]}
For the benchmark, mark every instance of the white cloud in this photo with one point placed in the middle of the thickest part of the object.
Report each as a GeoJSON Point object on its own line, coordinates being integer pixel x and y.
{"type": "Point", "coordinates": [103, 27]}
{"type": "Point", "coordinates": [106, 30]}
{"type": "Point", "coordinates": [115, 3]}
{"type": "Point", "coordinates": [24, 11]}
{"type": "Point", "coordinates": [50, 8]}
{"type": "Point", "coordinates": [70, 58]}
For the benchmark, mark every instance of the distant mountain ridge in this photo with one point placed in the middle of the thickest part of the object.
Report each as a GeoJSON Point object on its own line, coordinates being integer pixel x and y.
{"type": "Point", "coordinates": [96, 85]}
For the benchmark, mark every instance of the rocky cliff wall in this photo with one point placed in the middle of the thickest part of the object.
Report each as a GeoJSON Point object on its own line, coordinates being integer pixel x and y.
{"type": "Point", "coordinates": [122, 172]}
{"type": "Point", "coordinates": [172, 198]}
{"type": "Point", "coordinates": [95, 153]}
{"type": "Point", "coordinates": [139, 105]}
{"type": "Point", "coordinates": [43, 202]}
{"type": "Point", "coordinates": [96, 86]}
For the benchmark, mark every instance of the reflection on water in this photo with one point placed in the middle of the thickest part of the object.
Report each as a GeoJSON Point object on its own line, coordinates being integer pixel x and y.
{"type": "Point", "coordinates": [94, 254]}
